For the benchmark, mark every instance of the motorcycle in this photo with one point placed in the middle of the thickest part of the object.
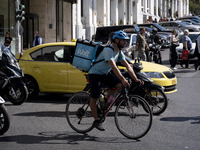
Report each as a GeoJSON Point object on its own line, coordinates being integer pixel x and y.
{"type": "Point", "coordinates": [4, 117]}
{"type": "Point", "coordinates": [154, 53]}
{"type": "Point", "coordinates": [151, 92]}
{"type": "Point", "coordinates": [11, 85]}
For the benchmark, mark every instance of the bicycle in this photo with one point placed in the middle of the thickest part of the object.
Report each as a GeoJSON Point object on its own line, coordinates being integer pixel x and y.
{"type": "Point", "coordinates": [133, 116]}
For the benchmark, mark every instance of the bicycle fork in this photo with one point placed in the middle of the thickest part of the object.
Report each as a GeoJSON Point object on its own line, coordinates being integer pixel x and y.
{"type": "Point", "coordinates": [129, 107]}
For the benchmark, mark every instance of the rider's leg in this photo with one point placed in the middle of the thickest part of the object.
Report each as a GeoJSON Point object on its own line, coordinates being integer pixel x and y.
{"type": "Point", "coordinates": [93, 107]}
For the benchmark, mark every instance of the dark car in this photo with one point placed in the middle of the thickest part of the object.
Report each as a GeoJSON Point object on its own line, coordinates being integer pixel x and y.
{"type": "Point", "coordinates": [154, 25]}
{"type": "Point", "coordinates": [102, 33]}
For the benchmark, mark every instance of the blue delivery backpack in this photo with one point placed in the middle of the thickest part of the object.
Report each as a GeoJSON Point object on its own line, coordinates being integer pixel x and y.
{"type": "Point", "coordinates": [86, 53]}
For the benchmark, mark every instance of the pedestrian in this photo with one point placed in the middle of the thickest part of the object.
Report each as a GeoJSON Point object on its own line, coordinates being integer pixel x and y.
{"type": "Point", "coordinates": [37, 39]}
{"type": "Point", "coordinates": [141, 44]}
{"type": "Point", "coordinates": [173, 52]}
{"type": "Point", "coordinates": [8, 41]}
{"type": "Point", "coordinates": [197, 53]}
{"type": "Point", "coordinates": [187, 45]}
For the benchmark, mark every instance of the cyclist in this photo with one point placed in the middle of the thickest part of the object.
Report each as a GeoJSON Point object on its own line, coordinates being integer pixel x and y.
{"type": "Point", "coordinates": [100, 72]}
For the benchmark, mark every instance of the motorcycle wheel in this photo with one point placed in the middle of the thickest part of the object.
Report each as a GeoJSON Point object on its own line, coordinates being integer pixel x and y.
{"type": "Point", "coordinates": [17, 96]}
{"type": "Point", "coordinates": [4, 120]}
{"type": "Point", "coordinates": [157, 101]}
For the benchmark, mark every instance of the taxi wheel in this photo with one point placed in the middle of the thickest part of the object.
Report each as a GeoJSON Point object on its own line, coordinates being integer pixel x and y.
{"type": "Point", "coordinates": [32, 86]}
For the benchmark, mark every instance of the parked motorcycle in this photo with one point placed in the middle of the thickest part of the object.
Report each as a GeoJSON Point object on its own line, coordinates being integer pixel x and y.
{"type": "Point", "coordinates": [151, 92]}
{"type": "Point", "coordinates": [154, 53]}
{"type": "Point", "coordinates": [4, 117]}
{"type": "Point", "coordinates": [11, 85]}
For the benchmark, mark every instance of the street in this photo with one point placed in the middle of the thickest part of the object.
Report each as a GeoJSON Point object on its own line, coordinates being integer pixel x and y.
{"type": "Point", "coordinates": [41, 124]}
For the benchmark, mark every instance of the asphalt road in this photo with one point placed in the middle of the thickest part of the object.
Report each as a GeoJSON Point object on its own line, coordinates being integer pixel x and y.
{"type": "Point", "coordinates": [40, 124]}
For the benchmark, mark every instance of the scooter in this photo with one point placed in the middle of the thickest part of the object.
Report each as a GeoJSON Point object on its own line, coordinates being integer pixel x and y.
{"type": "Point", "coordinates": [11, 85]}
{"type": "Point", "coordinates": [151, 92]}
{"type": "Point", "coordinates": [4, 117]}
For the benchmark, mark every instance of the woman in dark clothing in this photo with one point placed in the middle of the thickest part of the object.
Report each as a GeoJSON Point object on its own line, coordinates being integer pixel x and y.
{"type": "Point", "coordinates": [8, 41]}
{"type": "Point", "coordinates": [174, 54]}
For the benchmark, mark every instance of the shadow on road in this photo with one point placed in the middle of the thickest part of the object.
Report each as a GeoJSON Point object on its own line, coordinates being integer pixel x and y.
{"type": "Point", "coordinates": [58, 137]}
{"type": "Point", "coordinates": [195, 120]}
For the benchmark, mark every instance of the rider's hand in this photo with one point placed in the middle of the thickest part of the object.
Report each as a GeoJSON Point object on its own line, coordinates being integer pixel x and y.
{"type": "Point", "coordinates": [125, 83]}
{"type": "Point", "coordinates": [140, 82]}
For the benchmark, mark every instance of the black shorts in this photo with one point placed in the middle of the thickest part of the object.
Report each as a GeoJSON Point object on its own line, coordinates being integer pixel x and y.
{"type": "Point", "coordinates": [96, 81]}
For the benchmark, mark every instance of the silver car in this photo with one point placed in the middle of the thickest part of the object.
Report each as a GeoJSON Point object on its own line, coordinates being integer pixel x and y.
{"type": "Point", "coordinates": [179, 25]}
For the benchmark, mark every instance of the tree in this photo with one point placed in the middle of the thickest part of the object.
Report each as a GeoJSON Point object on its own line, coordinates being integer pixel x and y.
{"type": "Point", "coordinates": [194, 7]}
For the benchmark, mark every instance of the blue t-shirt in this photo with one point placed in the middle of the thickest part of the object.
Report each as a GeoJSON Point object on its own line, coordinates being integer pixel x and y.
{"type": "Point", "coordinates": [188, 40]}
{"type": "Point", "coordinates": [104, 67]}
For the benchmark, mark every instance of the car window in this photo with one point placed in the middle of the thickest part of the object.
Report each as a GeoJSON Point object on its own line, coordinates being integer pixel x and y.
{"type": "Point", "coordinates": [134, 39]}
{"type": "Point", "coordinates": [49, 53]}
{"type": "Point", "coordinates": [53, 53]}
{"type": "Point", "coordinates": [183, 23]}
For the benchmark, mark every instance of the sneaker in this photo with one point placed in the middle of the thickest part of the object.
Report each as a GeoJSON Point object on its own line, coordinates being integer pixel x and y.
{"type": "Point", "coordinates": [97, 124]}
{"type": "Point", "coordinates": [173, 68]}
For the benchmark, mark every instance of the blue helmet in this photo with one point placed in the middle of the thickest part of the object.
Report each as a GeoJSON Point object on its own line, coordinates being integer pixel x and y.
{"type": "Point", "coordinates": [120, 35]}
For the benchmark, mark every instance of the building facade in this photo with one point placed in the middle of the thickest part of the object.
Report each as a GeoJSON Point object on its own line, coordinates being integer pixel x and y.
{"type": "Point", "coordinates": [64, 20]}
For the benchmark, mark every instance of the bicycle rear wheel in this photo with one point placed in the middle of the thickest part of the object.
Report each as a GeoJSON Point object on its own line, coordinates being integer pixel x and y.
{"type": "Point", "coordinates": [133, 117]}
{"type": "Point", "coordinates": [78, 112]}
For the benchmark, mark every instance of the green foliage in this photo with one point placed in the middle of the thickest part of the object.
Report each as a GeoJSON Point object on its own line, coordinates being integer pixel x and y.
{"type": "Point", "coordinates": [194, 7]}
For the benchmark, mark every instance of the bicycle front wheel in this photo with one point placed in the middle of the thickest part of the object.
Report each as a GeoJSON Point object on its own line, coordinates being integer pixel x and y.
{"type": "Point", "coordinates": [133, 117]}
{"type": "Point", "coordinates": [78, 112]}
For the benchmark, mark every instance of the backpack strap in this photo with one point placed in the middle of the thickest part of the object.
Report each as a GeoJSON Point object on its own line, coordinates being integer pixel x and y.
{"type": "Point", "coordinates": [93, 63]}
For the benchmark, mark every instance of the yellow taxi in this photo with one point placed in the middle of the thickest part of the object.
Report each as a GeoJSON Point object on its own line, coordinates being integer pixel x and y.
{"type": "Point", "coordinates": [47, 69]}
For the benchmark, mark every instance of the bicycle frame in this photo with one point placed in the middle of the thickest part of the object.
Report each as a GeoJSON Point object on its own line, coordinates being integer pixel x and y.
{"type": "Point", "coordinates": [122, 93]}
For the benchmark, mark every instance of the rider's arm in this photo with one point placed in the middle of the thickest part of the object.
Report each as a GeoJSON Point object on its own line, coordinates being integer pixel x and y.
{"type": "Point", "coordinates": [130, 70]}
{"type": "Point", "coordinates": [118, 73]}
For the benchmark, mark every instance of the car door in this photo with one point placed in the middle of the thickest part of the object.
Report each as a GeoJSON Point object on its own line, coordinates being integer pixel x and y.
{"type": "Point", "coordinates": [76, 78]}
{"type": "Point", "coordinates": [50, 69]}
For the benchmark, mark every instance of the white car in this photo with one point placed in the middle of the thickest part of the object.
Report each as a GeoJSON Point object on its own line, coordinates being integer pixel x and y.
{"type": "Point", "coordinates": [130, 46]}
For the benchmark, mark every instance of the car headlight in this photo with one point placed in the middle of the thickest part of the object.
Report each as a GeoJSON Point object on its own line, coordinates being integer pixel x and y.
{"type": "Point", "coordinates": [154, 74]}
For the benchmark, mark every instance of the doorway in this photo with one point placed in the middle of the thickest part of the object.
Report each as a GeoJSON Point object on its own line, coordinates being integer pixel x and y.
{"type": "Point", "coordinates": [31, 24]}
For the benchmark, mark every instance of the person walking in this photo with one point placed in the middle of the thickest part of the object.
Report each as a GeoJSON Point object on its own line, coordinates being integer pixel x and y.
{"type": "Point", "coordinates": [187, 45]}
{"type": "Point", "coordinates": [197, 52]}
{"type": "Point", "coordinates": [37, 39]}
{"type": "Point", "coordinates": [174, 55]}
{"type": "Point", "coordinates": [141, 44]}
{"type": "Point", "coordinates": [8, 41]}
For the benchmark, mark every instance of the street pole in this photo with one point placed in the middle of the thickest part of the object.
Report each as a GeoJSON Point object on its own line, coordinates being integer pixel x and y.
{"type": "Point", "coordinates": [18, 36]}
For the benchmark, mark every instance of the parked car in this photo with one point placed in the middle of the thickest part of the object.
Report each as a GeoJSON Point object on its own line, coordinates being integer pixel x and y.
{"type": "Point", "coordinates": [190, 17]}
{"type": "Point", "coordinates": [130, 46]}
{"type": "Point", "coordinates": [154, 25]}
{"type": "Point", "coordinates": [102, 33]}
{"type": "Point", "coordinates": [192, 22]}
{"type": "Point", "coordinates": [47, 69]}
{"type": "Point", "coordinates": [193, 37]}
{"type": "Point", "coordinates": [179, 25]}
